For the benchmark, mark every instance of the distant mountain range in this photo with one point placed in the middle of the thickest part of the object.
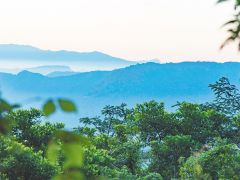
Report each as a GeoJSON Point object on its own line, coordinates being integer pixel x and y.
{"type": "Point", "coordinates": [16, 56]}
{"type": "Point", "coordinates": [150, 79]}
{"type": "Point", "coordinates": [45, 70]}
{"type": "Point", "coordinates": [110, 80]}
{"type": "Point", "coordinates": [51, 70]}
{"type": "Point", "coordinates": [172, 82]}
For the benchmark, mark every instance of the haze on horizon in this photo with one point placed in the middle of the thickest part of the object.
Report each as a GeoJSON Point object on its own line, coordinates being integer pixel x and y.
{"type": "Point", "coordinates": [173, 31]}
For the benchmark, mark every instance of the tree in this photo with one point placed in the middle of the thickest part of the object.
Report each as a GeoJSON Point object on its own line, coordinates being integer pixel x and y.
{"type": "Point", "coordinates": [227, 97]}
{"type": "Point", "coordinates": [165, 155]}
{"type": "Point", "coordinates": [97, 162]}
{"type": "Point", "coordinates": [21, 162]}
{"type": "Point", "coordinates": [220, 162]}
{"type": "Point", "coordinates": [29, 130]}
{"type": "Point", "coordinates": [203, 124]}
{"type": "Point", "coordinates": [113, 134]}
{"type": "Point", "coordinates": [112, 115]}
{"type": "Point", "coordinates": [153, 122]}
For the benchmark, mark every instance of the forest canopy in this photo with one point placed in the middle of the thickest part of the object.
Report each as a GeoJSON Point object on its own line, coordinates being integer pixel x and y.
{"type": "Point", "coordinates": [196, 141]}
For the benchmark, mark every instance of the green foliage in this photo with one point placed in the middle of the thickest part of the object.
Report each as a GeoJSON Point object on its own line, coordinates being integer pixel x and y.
{"type": "Point", "coordinates": [112, 135]}
{"type": "Point", "coordinates": [152, 176]}
{"type": "Point", "coordinates": [150, 139]}
{"type": "Point", "coordinates": [49, 108]}
{"type": "Point", "coordinates": [165, 155]}
{"type": "Point", "coordinates": [153, 122]}
{"type": "Point", "coordinates": [66, 105]}
{"type": "Point", "coordinates": [201, 123]}
{"type": "Point", "coordinates": [97, 162]}
{"type": "Point", "coordinates": [21, 162]}
{"type": "Point", "coordinates": [236, 5]}
{"type": "Point", "coordinates": [234, 25]}
{"type": "Point", "coordinates": [29, 130]}
{"type": "Point", "coordinates": [117, 174]}
{"type": "Point", "coordinates": [70, 146]}
{"type": "Point", "coordinates": [220, 162]}
{"type": "Point", "coordinates": [128, 154]}
{"type": "Point", "coordinates": [144, 142]}
{"type": "Point", "coordinates": [227, 97]}
{"type": "Point", "coordinates": [6, 123]}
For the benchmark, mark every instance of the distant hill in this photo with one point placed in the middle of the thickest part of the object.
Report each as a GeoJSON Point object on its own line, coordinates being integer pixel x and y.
{"type": "Point", "coordinates": [61, 73]}
{"type": "Point", "coordinates": [49, 69]}
{"type": "Point", "coordinates": [150, 79]}
{"type": "Point", "coordinates": [44, 70]}
{"type": "Point", "coordinates": [171, 82]}
{"type": "Point", "coordinates": [81, 61]}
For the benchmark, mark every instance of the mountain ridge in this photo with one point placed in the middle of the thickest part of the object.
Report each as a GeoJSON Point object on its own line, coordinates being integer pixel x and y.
{"type": "Point", "coordinates": [140, 79]}
{"type": "Point", "coordinates": [81, 61]}
{"type": "Point", "coordinates": [91, 91]}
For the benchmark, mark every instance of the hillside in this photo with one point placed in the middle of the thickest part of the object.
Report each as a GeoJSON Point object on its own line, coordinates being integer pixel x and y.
{"type": "Point", "coordinates": [170, 83]}
{"type": "Point", "coordinates": [150, 79]}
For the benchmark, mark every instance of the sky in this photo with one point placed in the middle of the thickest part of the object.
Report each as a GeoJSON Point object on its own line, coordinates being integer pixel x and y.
{"type": "Point", "coordinates": [168, 30]}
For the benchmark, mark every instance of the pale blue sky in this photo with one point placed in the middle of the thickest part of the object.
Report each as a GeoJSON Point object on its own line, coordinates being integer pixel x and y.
{"type": "Point", "coordinates": [170, 30]}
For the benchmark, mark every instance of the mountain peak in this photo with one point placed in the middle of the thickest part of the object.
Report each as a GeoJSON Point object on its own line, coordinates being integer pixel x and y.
{"type": "Point", "coordinates": [26, 73]}
{"type": "Point", "coordinates": [17, 47]}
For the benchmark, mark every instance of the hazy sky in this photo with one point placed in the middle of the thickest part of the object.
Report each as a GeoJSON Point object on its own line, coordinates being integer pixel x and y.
{"type": "Point", "coordinates": [170, 30]}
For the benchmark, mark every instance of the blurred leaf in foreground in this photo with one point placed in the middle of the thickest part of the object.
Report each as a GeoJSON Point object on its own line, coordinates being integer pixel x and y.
{"type": "Point", "coordinates": [234, 29]}
{"type": "Point", "coordinates": [67, 105]}
{"type": "Point", "coordinates": [49, 108]}
{"type": "Point", "coordinates": [71, 146]}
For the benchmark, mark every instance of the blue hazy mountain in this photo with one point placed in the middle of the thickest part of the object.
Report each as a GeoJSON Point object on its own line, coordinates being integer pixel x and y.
{"type": "Point", "coordinates": [145, 80]}
{"type": "Point", "coordinates": [149, 79]}
{"type": "Point", "coordinates": [61, 73]}
{"type": "Point", "coordinates": [23, 55]}
{"type": "Point", "coordinates": [49, 69]}
{"type": "Point", "coordinates": [45, 70]}
{"type": "Point", "coordinates": [172, 82]}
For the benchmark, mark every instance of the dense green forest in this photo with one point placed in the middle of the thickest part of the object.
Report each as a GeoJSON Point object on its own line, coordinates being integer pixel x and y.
{"type": "Point", "coordinates": [196, 141]}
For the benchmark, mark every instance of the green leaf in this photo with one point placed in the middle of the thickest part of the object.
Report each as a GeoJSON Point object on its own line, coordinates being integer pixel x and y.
{"type": "Point", "coordinates": [220, 1]}
{"type": "Point", "coordinates": [72, 147]}
{"type": "Point", "coordinates": [74, 155]}
{"type": "Point", "coordinates": [52, 152]}
{"type": "Point", "coordinates": [69, 137]}
{"type": "Point", "coordinates": [49, 108]}
{"type": "Point", "coordinates": [67, 106]}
